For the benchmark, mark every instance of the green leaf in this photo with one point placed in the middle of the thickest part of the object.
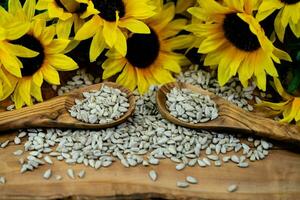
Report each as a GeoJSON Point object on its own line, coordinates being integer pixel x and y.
{"type": "Point", "coordinates": [295, 83]}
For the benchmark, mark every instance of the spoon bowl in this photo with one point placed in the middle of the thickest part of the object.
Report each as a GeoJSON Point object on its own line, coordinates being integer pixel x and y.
{"type": "Point", "coordinates": [231, 117]}
{"type": "Point", "coordinates": [54, 113]}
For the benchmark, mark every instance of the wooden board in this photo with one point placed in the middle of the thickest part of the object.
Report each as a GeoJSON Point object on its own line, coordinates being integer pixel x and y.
{"type": "Point", "coordinates": [276, 177]}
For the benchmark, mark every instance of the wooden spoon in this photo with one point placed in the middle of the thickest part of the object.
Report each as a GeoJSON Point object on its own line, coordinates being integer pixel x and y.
{"type": "Point", "coordinates": [231, 117]}
{"type": "Point", "coordinates": [54, 113]}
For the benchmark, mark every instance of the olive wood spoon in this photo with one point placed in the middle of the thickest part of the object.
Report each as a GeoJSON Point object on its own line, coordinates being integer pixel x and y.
{"type": "Point", "coordinates": [231, 117]}
{"type": "Point", "coordinates": [54, 112]}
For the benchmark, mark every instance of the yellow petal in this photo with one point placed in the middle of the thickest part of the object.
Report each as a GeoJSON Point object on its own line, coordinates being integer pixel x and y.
{"type": "Point", "coordinates": [141, 81]}
{"type": "Point", "coordinates": [179, 42]}
{"type": "Point", "coordinates": [14, 6]}
{"type": "Point", "coordinates": [110, 33]}
{"type": "Point", "coordinates": [24, 87]}
{"type": "Point", "coordinates": [128, 77]}
{"type": "Point", "coordinates": [11, 63]}
{"type": "Point", "coordinates": [29, 8]}
{"type": "Point", "coordinates": [38, 26]}
{"type": "Point", "coordinates": [280, 89]}
{"type": "Point", "coordinates": [42, 4]}
{"type": "Point", "coordinates": [224, 70]}
{"type": "Point", "coordinates": [17, 30]}
{"type": "Point", "coordinates": [111, 67]}
{"type": "Point", "coordinates": [50, 75]}
{"type": "Point", "coordinates": [279, 29]}
{"type": "Point", "coordinates": [64, 27]}
{"type": "Point", "coordinates": [57, 46]}
{"type": "Point", "coordinates": [36, 92]}
{"type": "Point", "coordinates": [134, 25]}
{"type": "Point", "coordinates": [21, 51]}
{"type": "Point", "coordinates": [37, 78]}
{"type": "Point", "coordinates": [89, 29]}
{"type": "Point", "coordinates": [62, 62]}
{"type": "Point", "coordinates": [162, 76]}
{"type": "Point", "coordinates": [121, 44]}
{"type": "Point", "coordinates": [47, 35]}
{"type": "Point", "coordinates": [97, 46]}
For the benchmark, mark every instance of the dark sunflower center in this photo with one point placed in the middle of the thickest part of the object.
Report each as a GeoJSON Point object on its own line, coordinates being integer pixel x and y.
{"type": "Point", "coordinates": [108, 9]}
{"type": "Point", "coordinates": [142, 49]}
{"type": "Point", "coordinates": [31, 65]}
{"type": "Point", "coordinates": [290, 2]}
{"type": "Point", "coordinates": [81, 8]}
{"type": "Point", "coordinates": [239, 34]}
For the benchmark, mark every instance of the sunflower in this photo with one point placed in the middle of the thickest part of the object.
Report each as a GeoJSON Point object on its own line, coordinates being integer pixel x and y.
{"type": "Point", "coordinates": [150, 59]}
{"type": "Point", "coordinates": [290, 108]}
{"type": "Point", "coordinates": [106, 25]}
{"type": "Point", "coordinates": [288, 15]}
{"type": "Point", "coordinates": [44, 66]}
{"type": "Point", "coordinates": [234, 41]}
{"type": "Point", "coordinates": [70, 13]}
{"type": "Point", "coordinates": [11, 29]}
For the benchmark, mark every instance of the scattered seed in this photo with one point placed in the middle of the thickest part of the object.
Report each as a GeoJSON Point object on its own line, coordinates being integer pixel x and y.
{"type": "Point", "coordinates": [70, 173]}
{"type": "Point", "coordinates": [191, 179]}
{"type": "Point", "coordinates": [81, 174]}
{"type": "Point", "coordinates": [182, 184]}
{"type": "Point", "coordinates": [232, 188]}
{"type": "Point", "coordinates": [2, 180]}
{"type": "Point", "coordinates": [153, 175]}
{"type": "Point", "coordinates": [47, 174]}
{"type": "Point", "coordinates": [58, 177]}
{"type": "Point", "coordinates": [17, 141]}
{"type": "Point", "coordinates": [18, 152]}
{"type": "Point", "coordinates": [4, 144]}
{"type": "Point", "coordinates": [48, 160]}
{"type": "Point", "coordinates": [180, 166]}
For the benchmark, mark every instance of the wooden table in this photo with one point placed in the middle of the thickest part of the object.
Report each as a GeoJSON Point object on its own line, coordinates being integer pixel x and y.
{"type": "Point", "coordinates": [276, 177]}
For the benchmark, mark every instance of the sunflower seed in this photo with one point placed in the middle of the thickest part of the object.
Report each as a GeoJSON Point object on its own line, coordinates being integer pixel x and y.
{"type": "Point", "coordinates": [191, 179]}
{"type": "Point", "coordinates": [232, 188]}
{"type": "Point", "coordinates": [180, 166]}
{"type": "Point", "coordinates": [182, 184]}
{"type": "Point", "coordinates": [4, 144]}
{"type": "Point", "coordinates": [243, 164]}
{"type": "Point", "coordinates": [235, 159]}
{"type": "Point", "coordinates": [22, 134]}
{"type": "Point", "coordinates": [18, 152]}
{"type": "Point", "coordinates": [153, 175]}
{"type": "Point", "coordinates": [48, 160]}
{"type": "Point", "coordinates": [47, 174]}
{"type": "Point", "coordinates": [213, 157]}
{"type": "Point", "coordinates": [58, 177]}
{"type": "Point", "coordinates": [17, 140]}
{"type": "Point", "coordinates": [201, 163]}
{"type": "Point", "coordinates": [70, 173]}
{"type": "Point", "coordinates": [81, 174]}
{"type": "Point", "coordinates": [2, 180]}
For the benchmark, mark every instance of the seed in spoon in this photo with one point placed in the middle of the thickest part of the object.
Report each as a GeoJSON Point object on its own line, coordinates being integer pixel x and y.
{"type": "Point", "coordinates": [191, 107]}
{"type": "Point", "coordinates": [153, 175]}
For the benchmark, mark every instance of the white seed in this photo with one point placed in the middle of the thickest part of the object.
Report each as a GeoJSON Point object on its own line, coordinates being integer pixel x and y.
{"type": "Point", "coordinates": [58, 177]}
{"type": "Point", "coordinates": [180, 166]}
{"type": "Point", "coordinates": [213, 157]}
{"type": "Point", "coordinates": [48, 160]}
{"type": "Point", "coordinates": [206, 161]}
{"type": "Point", "coordinates": [218, 163]}
{"type": "Point", "coordinates": [191, 179]}
{"type": "Point", "coordinates": [70, 173]}
{"type": "Point", "coordinates": [264, 144]}
{"type": "Point", "coordinates": [81, 174]}
{"type": "Point", "coordinates": [232, 188]}
{"type": "Point", "coordinates": [235, 159]}
{"type": "Point", "coordinates": [153, 175]}
{"type": "Point", "coordinates": [47, 174]}
{"type": "Point", "coordinates": [2, 180]}
{"type": "Point", "coordinates": [4, 144]}
{"type": "Point", "coordinates": [17, 140]}
{"type": "Point", "coordinates": [226, 158]}
{"type": "Point", "coordinates": [18, 152]}
{"type": "Point", "coordinates": [243, 164]}
{"type": "Point", "coordinates": [22, 134]}
{"type": "Point", "coordinates": [182, 184]}
{"type": "Point", "coordinates": [201, 163]}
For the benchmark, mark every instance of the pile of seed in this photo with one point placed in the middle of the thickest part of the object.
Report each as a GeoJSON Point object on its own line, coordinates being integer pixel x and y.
{"type": "Point", "coordinates": [79, 80]}
{"type": "Point", "coordinates": [191, 107]}
{"type": "Point", "coordinates": [144, 139]}
{"type": "Point", "coordinates": [233, 91]}
{"type": "Point", "coordinates": [100, 107]}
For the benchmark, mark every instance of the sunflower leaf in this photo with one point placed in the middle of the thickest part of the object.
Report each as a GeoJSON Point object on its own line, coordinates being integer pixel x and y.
{"type": "Point", "coordinates": [295, 83]}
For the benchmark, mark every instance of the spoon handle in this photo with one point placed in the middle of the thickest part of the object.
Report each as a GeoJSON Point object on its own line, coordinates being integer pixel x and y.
{"type": "Point", "coordinates": [39, 115]}
{"type": "Point", "coordinates": [262, 126]}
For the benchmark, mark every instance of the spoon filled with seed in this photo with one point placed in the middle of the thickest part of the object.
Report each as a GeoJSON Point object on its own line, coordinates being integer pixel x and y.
{"type": "Point", "coordinates": [193, 107]}
{"type": "Point", "coordinates": [96, 106]}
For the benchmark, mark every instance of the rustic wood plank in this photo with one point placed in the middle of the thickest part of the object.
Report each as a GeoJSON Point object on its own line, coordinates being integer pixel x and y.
{"type": "Point", "coordinates": [276, 177]}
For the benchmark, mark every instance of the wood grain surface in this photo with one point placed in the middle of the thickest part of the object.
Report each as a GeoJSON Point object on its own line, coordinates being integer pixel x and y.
{"type": "Point", "coordinates": [54, 112]}
{"type": "Point", "coordinates": [231, 117]}
{"type": "Point", "coordinates": [276, 177]}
